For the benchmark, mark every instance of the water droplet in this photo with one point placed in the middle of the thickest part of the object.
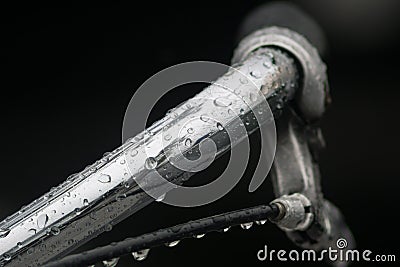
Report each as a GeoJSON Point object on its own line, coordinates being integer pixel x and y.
{"type": "Point", "coordinates": [93, 215]}
{"type": "Point", "coordinates": [150, 163]}
{"type": "Point", "coordinates": [55, 230]}
{"type": "Point", "coordinates": [4, 232]}
{"type": "Point", "coordinates": [190, 130]}
{"type": "Point", "coordinates": [199, 236]}
{"type": "Point", "coordinates": [104, 178]}
{"type": "Point", "coordinates": [272, 57]}
{"type": "Point", "coordinates": [19, 245]}
{"type": "Point", "coordinates": [246, 226]}
{"type": "Point", "coordinates": [134, 152]}
{"type": "Point", "coordinates": [243, 80]}
{"type": "Point", "coordinates": [252, 97]}
{"type": "Point", "coordinates": [120, 197]}
{"type": "Point", "coordinates": [139, 136]}
{"type": "Point", "coordinates": [140, 255]}
{"type": "Point", "coordinates": [108, 227]}
{"type": "Point", "coordinates": [222, 102]}
{"type": "Point", "coordinates": [32, 231]}
{"type": "Point", "coordinates": [256, 74]}
{"type": "Point", "coordinates": [172, 244]}
{"type": "Point", "coordinates": [149, 132]}
{"type": "Point", "coordinates": [241, 111]}
{"type": "Point", "coordinates": [261, 222]}
{"type": "Point", "coordinates": [274, 85]}
{"type": "Point", "coordinates": [219, 126]}
{"type": "Point", "coordinates": [122, 161]}
{"type": "Point", "coordinates": [42, 220]}
{"type": "Point", "coordinates": [267, 64]}
{"type": "Point", "coordinates": [85, 202]}
{"type": "Point", "coordinates": [205, 118]}
{"type": "Point", "coordinates": [7, 256]}
{"type": "Point", "coordinates": [78, 211]}
{"type": "Point", "coordinates": [111, 263]}
{"type": "Point", "coordinates": [167, 137]}
{"type": "Point", "coordinates": [188, 142]}
{"type": "Point", "coordinates": [160, 198]}
{"type": "Point", "coordinates": [226, 229]}
{"type": "Point", "coordinates": [30, 251]}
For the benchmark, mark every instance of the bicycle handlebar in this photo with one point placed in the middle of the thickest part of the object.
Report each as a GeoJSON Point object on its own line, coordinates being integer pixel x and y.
{"type": "Point", "coordinates": [103, 194]}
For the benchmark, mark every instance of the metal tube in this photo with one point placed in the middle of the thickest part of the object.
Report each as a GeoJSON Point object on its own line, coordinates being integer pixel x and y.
{"type": "Point", "coordinates": [92, 201]}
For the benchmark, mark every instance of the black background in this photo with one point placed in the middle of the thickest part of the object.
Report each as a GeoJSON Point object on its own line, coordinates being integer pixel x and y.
{"type": "Point", "coordinates": [68, 74]}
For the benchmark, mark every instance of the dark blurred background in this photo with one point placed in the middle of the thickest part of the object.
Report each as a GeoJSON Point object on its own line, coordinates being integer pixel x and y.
{"type": "Point", "coordinates": [68, 74]}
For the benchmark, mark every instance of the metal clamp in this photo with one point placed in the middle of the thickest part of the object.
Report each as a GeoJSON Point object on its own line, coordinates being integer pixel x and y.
{"type": "Point", "coordinates": [313, 97]}
{"type": "Point", "coordinates": [308, 219]}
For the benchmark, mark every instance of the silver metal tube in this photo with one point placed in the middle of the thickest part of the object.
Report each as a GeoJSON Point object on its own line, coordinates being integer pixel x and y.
{"type": "Point", "coordinates": [92, 201]}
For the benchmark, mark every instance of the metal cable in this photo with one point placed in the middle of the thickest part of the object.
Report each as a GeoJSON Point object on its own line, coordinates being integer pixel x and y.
{"type": "Point", "coordinates": [171, 235]}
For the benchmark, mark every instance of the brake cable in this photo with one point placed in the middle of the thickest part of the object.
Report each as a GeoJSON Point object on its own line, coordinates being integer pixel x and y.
{"type": "Point", "coordinates": [139, 246]}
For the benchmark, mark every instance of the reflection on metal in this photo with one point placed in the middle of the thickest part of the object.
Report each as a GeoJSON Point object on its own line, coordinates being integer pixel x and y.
{"type": "Point", "coordinates": [103, 194]}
